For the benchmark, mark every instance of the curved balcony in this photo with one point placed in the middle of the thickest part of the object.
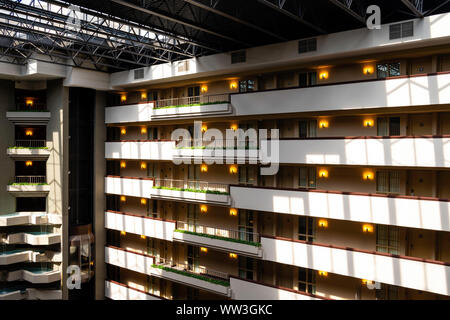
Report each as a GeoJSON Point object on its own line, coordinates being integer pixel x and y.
{"type": "Point", "coordinates": [25, 218]}
{"type": "Point", "coordinates": [32, 275]}
{"type": "Point", "coordinates": [32, 238]}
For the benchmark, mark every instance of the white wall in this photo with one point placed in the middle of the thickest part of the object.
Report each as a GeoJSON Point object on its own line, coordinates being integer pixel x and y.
{"type": "Point", "coordinates": [140, 226]}
{"type": "Point", "coordinates": [407, 273]}
{"type": "Point", "coordinates": [128, 260]}
{"type": "Point", "coordinates": [140, 150]}
{"type": "Point", "coordinates": [115, 291]}
{"type": "Point", "coordinates": [128, 187]}
{"type": "Point", "coordinates": [419, 152]}
{"type": "Point", "coordinates": [422, 214]}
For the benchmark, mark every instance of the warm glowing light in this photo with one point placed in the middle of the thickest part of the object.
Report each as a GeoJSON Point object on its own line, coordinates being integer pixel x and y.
{"type": "Point", "coordinates": [323, 223]}
{"type": "Point", "coordinates": [323, 173]}
{"type": "Point", "coordinates": [29, 163]}
{"type": "Point", "coordinates": [367, 228]}
{"type": "Point", "coordinates": [368, 70]}
{"type": "Point", "coordinates": [204, 88]}
{"type": "Point", "coordinates": [323, 75]}
{"type": "Point", "coordinates": [123, 98]}
{"type": "Point", "coordinates": [92, 263]}
{"type": "Point", "coordinates": [234, 127]}
{"type": "Point", "coordinates": [143, 201]}
{"type": "Point", "coordinates": [123, 233]}
{"type": "Point", "coordinates": [322, 273]}
{"type": "Point", "coordinates": [233, 212]}
{"type": "Point", "coordinates": [368, 175]}
{"type": "Point", "coordinates": [29, 133]}
{"type": "Point", "coordinates": [233, 85]}
{"type": "Point", "coordinates": [143, 237]}
{"type": "Point", "coordinates": [203, 249]}
{"type": "Point", "coordinates": [204, 168]}
{"type": "Point", "coordinates": [123, 164]}
{"type": "Point", "coordinates": [323, 124]}
{"type": "Point", "coordinates": [123, 198]}
{"type": "Point", "coordinates": [233, 255]}
{"type": "Point", "coordinates": [368, 123]}
{"type": "Point", "coordinates": [143, 165]}
{"type": "Point", "coordinates": [204, 128]}
{"type": "Point", "coordinates": [29, 102]}
{"type": "Point", "coordinates": [365, 282]}
{"type": "Point", "coordinates": [143, 95]}
{"type": "Point", "coordinates": [143, 130]}
{"type": "Point", "coordinates": [203, 209]}
{"type": "Point", "coordinates": [123, 131]}
{"type": "Point", "coordinates": [233, 169]}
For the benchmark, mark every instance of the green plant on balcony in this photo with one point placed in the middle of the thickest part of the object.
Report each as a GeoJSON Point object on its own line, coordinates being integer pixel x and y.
{"type": "Point", "coordinates": [190, 105]}
{"type": "Point", "coordinates": [192, 190]}
{"type": "Point", "coordinates": [192, 275]}
{"type": "Point", "coordinates": [251, 243]}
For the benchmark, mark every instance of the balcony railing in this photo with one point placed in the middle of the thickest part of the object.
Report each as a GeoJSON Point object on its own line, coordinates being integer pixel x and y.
{"type": "Point", "coordinates": [194, 186]}
{"type": "Point", "coordinates": [30, 180]}
{"type": "Point", "coordinates": [30, 143]}
{"type": "Point", "coordinates": [219, 232]}
{"type": "Point", "coordinates": [35, 107]}
{"type": "Point", "coordinates": [188, 101]}
{"type": "Point", "coordinates": [192, 269]}
{"type": "Point", "coordinates": [217, 144]}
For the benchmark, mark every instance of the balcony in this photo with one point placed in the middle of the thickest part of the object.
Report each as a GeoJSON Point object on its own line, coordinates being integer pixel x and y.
{"type": "Point", "coordinates": [17, 256]}
{"type": "Point", "coordinates": [27, 186]}
{"type": "Point", "coordinates": [198, 277]}
{"type": "Point", "coordinates": [32, 238]}
{"type": "Point", "coordinates": [25, 218]}
{"type": "Point", "coordinates": [118, 291]}
{"type": "Point", "coordinates": [428, 151]}
{"type": "Point", "coordinates": [129, 186]}
{"type": "Point", "coordinates": [29, 114]}
{"type": "Point", "coordinates": [134, 261]}
{"type": "Point", "coordinates": [30, 294]}
{"type": "Point", "coordinates": [405, 91]}
{"type": "Point", "coordinates": [36, 275]}
{"type": "Point", "coordinates": [140, 225]}
{"type": "Point", "coordinates": [29, 150]}
{"type": "Point", "coordinates": [185, 107]}
{"type": "Point", "coordinates": [403, 211]}
{"type": "Point", "coordinates": [192, 191]}
{"type": "Point", "coordinates": [239, 242]}
{"type": "Point", "coordinates": [140, 150]}
{"type": "Point", "coordinates": [250, 290]}
{"type": "Point", "coordinates": [414, 273]}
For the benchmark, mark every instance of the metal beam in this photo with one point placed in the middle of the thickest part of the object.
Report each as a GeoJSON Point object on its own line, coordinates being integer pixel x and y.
{"type": "Point", "coordinates": [413, 8]}
{"type": "Point", "coordinates": [430, 12]}
{"type": "Point", "coordinates": [292, 16]}
{"type": "Point", "coordinates": [346, 8]}
{"type": "Point", "coordinates": [235, 19]}
{"type": "Point", "coordinates": [175, 20]}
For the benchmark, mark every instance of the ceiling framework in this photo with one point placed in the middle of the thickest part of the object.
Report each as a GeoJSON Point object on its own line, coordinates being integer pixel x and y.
{"type": "Point", "coordinates": [113, 35]}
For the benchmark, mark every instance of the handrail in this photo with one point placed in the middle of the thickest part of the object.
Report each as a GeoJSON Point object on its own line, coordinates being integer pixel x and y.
{"type": "Point", "coordinates": [204, 99]}
{"type": "Point", "coordinates": [36, 106]}
{"type": "Point", "coordinates": [30, 179]}
{"type": "Point", "coordinates": [216, 144]}
{"type": "Point", "coordinates": [30, 143]}
{"type": "Point", "coordinates": [200, 270]}
{"type": "Point", "coordinates": [196, 185]}
{"type": "Point", "coordinates": [219, 232]}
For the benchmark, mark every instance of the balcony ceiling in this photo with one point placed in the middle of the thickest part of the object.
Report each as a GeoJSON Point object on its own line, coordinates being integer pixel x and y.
{"type": "Point", "coordinates": [178, 29]}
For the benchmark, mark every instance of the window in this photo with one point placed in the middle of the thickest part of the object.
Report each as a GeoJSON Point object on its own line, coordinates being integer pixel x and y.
{"type": "Point", "coordinates": [388, 126]}
{"type": "Point", "coordinates": [388, 181]}
{"type": "Point", "coordinates": [138, 74]}
{"type": "Point", "coordinates": [238, 57]}
{"type": "Point", "coordinates": [152, 170]}
{"type": "Point", "coordinates": [192, 217]}
{"type": "Point", "coordinates": [246, 268]}
{"type": "Point", "coordinates": [247, 175]}
{"type": "Point", "coordinates": [386, 70]}
{"type": "Point", "coordinates": [193, 91]}
{"type": "Point", "coordinates": [193, 258]}
{"type": "Point", "coordinates": [246, 225]}
{"type": "Point", "coordinates": [307, 79]}
{"type": "Point", "coordinates": [246, 85]}
{"type": "Point", "coordinates": [183, 66]}
{"type": "Point", "coordinates": [307, 128]}
{"type": "Point", "coordinates": [401, 30]}
{"type": "Point", "coordinates": [387, 239]}
{"type": "Point", "coordinates": [306, 229]}
{"type": "Point", "coordinates": [387, 292]}
{"type": "Point", "coordinates": [307, 45]}
{"type": "Point", "coordinates": [307, 280]}
{"type": "Point", "coordinates": [307, 178]}
{"type": "Point", "coordinates": [152, 133]}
